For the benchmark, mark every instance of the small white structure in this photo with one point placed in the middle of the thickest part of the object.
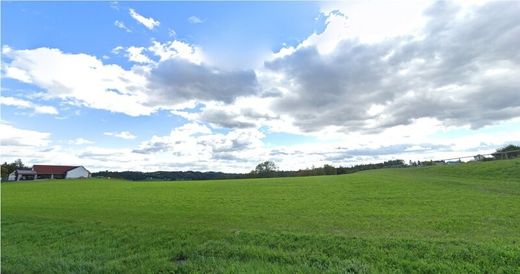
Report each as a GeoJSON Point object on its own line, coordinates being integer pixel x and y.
{"type": "Point", "coordinates": [22, 175]}
{"type": "Point", "coordinates": [78, 172]}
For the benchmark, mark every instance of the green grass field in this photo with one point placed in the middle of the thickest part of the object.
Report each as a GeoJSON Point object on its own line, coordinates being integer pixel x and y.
{"type": "Point", "coordinates": [453, 219]}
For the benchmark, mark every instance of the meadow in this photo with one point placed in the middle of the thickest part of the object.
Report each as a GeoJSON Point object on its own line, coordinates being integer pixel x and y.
{"type": "Point", "coordinates": [440, 219]}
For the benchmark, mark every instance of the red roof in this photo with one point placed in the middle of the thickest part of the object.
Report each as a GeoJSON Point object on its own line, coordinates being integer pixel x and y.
{"type": "Point", "coordinates": [46, 169]}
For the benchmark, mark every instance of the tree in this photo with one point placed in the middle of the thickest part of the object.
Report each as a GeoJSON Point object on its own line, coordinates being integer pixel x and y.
{"type": "Point", "coordinates": [19, 164]}
{"type": "Point", "coordinates": [5, 171]}
{"type": "Point", "coordinates": [265, 169]}
{"type": "Point", "coordinates": [510, 151]}
{"type": "Point", "coordinates": [329, 170]}
{"type": "Point", "coordinates": [8, 168]}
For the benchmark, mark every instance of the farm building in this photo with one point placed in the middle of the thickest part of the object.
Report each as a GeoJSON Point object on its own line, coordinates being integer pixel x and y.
{"type": "Point", "coordinates": [49, 172]}
{"type": "Point", "coordinates": [22, 175]}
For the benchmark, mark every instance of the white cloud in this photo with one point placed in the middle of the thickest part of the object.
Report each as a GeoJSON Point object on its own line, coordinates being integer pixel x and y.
{"type": "Point", "coordinates": [374, 21]}
{"type": "Point", "coordinates": [80, 141]}
{"type": "Point", "coordinates": [195, 144]}
{"type": "Point", "coordinates": [11, 101]}
{"type": "Point", "coordinates": [442, 70]}
{"type": "Point", "coordinates": [149, 22]}
{"type": "Point", "coordinates": [135, 54]}
{"type": "Point", "coordinates": [117, 50]}
{"type": "Point", "coordinates": [195, 20]}
{"type": "Point", "coordinates": [123, 135]}
{"type": "Point", "coordinates": [15, 137]}
{"type": "Point", "coordinates": [122, 26]}
{"type": "Point", "coordinates": [81, 79]}
{"type": "Point", "coordinates": [16, 102]}
{"type": "Point", "coordinates": [176, 49]}
{"type": "Point", "coordinates": [45, 109]}
{"type": "Point", "coordinates": [244, 112]}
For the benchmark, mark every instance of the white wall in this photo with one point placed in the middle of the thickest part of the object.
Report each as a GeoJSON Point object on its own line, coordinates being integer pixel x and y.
{"type": "Point", "coordinates": [12, 176]}
{"type": "Point", "coordinates": [79, 172]}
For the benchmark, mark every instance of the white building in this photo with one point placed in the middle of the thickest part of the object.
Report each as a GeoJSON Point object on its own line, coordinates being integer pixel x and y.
{"type": "Point", "coordinates": [78, 172]}
{"type": "Point", "coordinates": [22, 175]}
{"type": "Point", "coordinates": [49, 172]}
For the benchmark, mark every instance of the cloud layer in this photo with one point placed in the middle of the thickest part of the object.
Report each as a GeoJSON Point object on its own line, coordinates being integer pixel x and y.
{"type": "Point", "coordinates": [460, 58]}
{"type": "Point", "coordinates": [178, 79]}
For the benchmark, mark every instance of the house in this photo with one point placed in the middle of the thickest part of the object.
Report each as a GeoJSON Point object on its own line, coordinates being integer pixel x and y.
{"type": "Point", "coordinates": [22, 175]}
{"type": "Point", "coordinates": [50, 172]}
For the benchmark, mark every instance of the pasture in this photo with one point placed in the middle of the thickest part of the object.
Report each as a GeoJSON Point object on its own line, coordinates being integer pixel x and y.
{"type": "Point", "coordinates": [453, 219]}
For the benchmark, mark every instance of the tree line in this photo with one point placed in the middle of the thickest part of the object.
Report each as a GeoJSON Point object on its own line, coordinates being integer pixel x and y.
{"type": "Point", "coordinates": [507, 152]}
{"type": "Point", "coordinates": [267, 169]}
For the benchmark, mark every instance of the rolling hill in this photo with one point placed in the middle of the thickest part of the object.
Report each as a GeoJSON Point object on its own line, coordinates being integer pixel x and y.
{"type": "Point", "coordinates": [450, 218]}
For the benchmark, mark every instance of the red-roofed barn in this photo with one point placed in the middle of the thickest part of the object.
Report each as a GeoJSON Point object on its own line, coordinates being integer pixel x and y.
{"type": "Point", "coordinates": [50, 172]}
{"type": "Point", "coordinates": [60, 172]}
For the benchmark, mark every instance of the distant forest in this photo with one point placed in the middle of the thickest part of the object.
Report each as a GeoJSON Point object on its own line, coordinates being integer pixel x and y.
{"type": "Point", "coordinates": [263, 170]}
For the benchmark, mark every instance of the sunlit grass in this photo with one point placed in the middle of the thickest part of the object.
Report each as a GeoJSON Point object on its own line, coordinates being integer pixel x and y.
{"type": "Point", "coordinates": [461, 218]}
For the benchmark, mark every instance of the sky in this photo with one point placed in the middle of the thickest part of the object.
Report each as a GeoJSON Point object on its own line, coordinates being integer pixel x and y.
{"type": "Point", "coordinates": [223, 86]}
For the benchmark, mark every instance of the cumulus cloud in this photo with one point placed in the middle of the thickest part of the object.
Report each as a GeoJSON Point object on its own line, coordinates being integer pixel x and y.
{"type": "Point", "coordinates": [176, 50]}
{"type": "Point", "coordinates": [178, 79]}
{"type": "Point", "coordinates": [148, 22]}
{"type": "Point", "coordinates": [167, 75]}
{"type": "Point", "coordinates": [459, 70]}
{"type": "Point", "coordinates": [135, 54]}
{"type": "Point", "coordinates": [16, 102]}
{"type": "Point", "coordinates": [123, 135]}
{"type": "Point", "coordinates": [245, 112]}
{"type": "Point", "coordinates": [195, 20]}
{"type": "Point", "coordinates": [15, 137]}
{"type": "Point", "coordinates": [80, 141]}
{"type": "Point", "coordinates": [194, 142]}
{"type": "Point", "coordinates": [159, 52]}
{"type": "Point", "coordinates": [80, 79]}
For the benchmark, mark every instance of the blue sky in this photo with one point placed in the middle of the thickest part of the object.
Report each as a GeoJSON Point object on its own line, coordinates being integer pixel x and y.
{"type": "Point", "coordinates": [230, 30]}
{"type": "Point", "coordinates": [225, 85]}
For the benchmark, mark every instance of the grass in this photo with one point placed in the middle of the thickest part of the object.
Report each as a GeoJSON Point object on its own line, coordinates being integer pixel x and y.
{"type": "Point", "coordinates": [452, 219]}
